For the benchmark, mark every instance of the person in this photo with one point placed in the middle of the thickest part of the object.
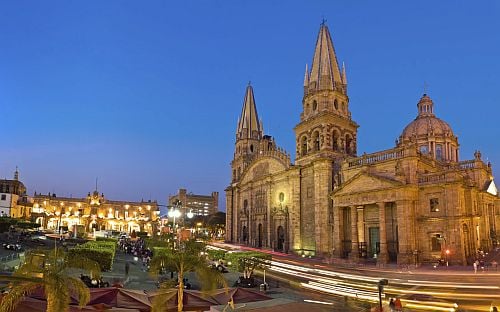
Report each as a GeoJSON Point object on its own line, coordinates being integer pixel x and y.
{"type": "Point", "coordinates": [494, 265]}
{"type": "Point", "coordinates": [474, 265]}
{"type": "Point", "coordinates": [398, 306]}
{"type": "Point", "coordinates": [494, 309]}
{"type": "Point", "coordinates": [391, 305]}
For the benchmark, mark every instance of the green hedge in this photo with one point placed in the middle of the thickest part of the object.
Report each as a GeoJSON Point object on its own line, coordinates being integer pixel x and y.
{"type": "Point", "coordinates": [102, 252]}
{"type": "Point", "coordinates": [216, 254]}
{"type": "Point", "coordinates": [106, 239]}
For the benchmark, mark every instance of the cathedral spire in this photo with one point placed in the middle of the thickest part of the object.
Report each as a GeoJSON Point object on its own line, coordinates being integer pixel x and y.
{"type": "Point", "coordinates": [16, 174]}
{"type": "Point", "coordinates": [249, 125]}
{"type": "Point", "coordinates": [344, 76]}
{"type": "Point", "coordinates": [306, 77]}
{"type": "Point", "coordinates": [325, 72]}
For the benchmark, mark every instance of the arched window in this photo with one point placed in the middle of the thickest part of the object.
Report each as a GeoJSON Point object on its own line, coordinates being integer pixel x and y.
{"type": "Point", "coordinates": [281, 197]}
{"type": "Point", "coordinates": [336, 104]}
{"type": "Point", "coordinates": [348, 143]}
{"type": "Point", "coordinates": [251, 148]}
{"type": "Point", "coordinates": [316, 140]}
{"type": "Point", "coordinates": [335, 140]}
{"type": "Point", "coordinates": [315, 105]}
{"type": "Point", "coordinates": [439, 152]}
{"type": "Point", "coordinates": [303, 146]}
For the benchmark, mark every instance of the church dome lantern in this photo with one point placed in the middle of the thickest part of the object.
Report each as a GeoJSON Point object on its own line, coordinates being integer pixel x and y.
{"type": "Point", "coordinates": [432, 135]}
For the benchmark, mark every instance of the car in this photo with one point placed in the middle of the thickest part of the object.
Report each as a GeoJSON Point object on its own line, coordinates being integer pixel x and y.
{"type": "Point", "coordinates": [12, 246]}
{"type": "Point", "coordinates": [425, 301]}
{"type": "Point", "coordinates": [219, 266]}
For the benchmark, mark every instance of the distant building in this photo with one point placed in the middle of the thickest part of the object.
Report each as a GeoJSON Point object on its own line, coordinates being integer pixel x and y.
{"type": "Point", "coordinates": [94, 213]}
{"type": "Point", "coordinates": [201, 205]}
{"type": "Point", "coordinates": [11, 191]}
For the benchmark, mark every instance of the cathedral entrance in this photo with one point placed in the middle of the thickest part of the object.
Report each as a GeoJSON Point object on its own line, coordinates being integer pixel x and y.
{"type": "Point", "coordinates": [374, 233]}
{"type": "Point", "coordinates": [245, 235]}
{"type": "Point", "coordinates": [281, 238]}
{"type": "Point", "coordinates": [259, 238]}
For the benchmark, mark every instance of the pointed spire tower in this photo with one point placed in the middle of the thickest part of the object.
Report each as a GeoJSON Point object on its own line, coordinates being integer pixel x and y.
{"type": "Point", "coordinates": [249, 134]}
{"type": "Point", "coordinates": [326, 128]}
{"type": "Point", "coordinates": [249, 124]}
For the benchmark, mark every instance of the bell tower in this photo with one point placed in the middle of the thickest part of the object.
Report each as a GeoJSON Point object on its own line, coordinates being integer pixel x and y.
{"type": "Point", "coordinates": [325, 128]}
{"type": "Point", "coordinates": [249, 135]}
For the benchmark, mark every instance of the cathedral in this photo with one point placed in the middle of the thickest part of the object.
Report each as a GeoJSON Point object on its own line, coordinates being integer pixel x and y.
{"type": "Point", "coordinates": [414, 203]}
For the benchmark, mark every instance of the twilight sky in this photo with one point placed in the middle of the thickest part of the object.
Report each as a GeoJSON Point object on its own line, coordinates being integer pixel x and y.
{"type": "Point", "coordinates": [145, 95]}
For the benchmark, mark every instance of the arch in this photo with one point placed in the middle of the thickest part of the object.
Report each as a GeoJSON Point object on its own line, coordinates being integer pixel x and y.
{"type": "Point", "coordinates": [439, 151]}
{"type": "Point", "coordinates": [348, 144]}
{"type": "Point", "coordinates": [303, 146]}
{"type": "Point", "coordinates": [251, 148]}
{"type": "Point", "coordinates": [316, 142]}
{"type": "Point", "coordinates": [260, 235]}
{"type": "Point", "coordinates": [315, 105]}
{"type": "Point", "coordinates": [245, 205]}
{"type": "Point", "coordinates": [39, 220]}
{"type": "Point", "coordinates": [245, 234]}
{"type": "Point", "coordinates": [335, 139]}
{"type": "Point", "coordinates": [280, 234]}
{"type": "Point", "coordinates": [336, 104]}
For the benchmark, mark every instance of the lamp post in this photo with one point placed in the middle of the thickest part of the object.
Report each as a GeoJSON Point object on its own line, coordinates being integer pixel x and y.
{"type": "Point", "coordinates": [381, 284]}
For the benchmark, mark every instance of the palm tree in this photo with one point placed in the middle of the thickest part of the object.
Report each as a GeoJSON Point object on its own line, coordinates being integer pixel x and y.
{"type": "Point", "coordinates": [50, 270]}
{"type": "Point", "coordinates": [189, 257]}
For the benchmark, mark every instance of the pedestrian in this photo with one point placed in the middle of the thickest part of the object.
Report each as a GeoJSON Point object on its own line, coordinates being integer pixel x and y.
{"type": "Point", "coordinates": [474, 265]}
{"type": "Point", "coordinates": [127, 268]}
{"type": "Point", "coordinates": [494, 265]}
{"type": "Point", "coordinates": [398, 306]}
{"type": "Point", "coordinates": [391, 305]}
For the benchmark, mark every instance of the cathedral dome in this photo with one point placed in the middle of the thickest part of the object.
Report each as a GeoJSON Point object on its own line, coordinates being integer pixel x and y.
{"type": "Point", "coordinates": [432, 135]}
{"type": "Point", "coordinates": [426, 123]}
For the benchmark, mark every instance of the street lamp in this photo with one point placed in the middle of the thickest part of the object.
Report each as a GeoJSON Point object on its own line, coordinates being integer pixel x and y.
{"type": "Point", "coordinates": [174, 214]}
{"type": "Point", "coordinates": [381, 283]}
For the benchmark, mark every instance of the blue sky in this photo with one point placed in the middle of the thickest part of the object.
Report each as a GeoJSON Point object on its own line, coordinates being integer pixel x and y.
{"type": "Point", "coordinates": [145, 95]}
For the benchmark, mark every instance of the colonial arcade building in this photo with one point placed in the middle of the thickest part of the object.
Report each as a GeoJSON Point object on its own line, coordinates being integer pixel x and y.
{"type": "Point", "coordinates": [413, 203]}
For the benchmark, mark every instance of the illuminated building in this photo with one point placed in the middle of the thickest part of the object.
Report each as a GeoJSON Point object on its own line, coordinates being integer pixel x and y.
{"type": "Point", "coordinates": [94, 213]}
{"type": "Point", "coordinates": [412, 203]}
{"type": "Point", "coordinates": [11, 192]}
{"type": "Point", "coordinates": [201, 205]}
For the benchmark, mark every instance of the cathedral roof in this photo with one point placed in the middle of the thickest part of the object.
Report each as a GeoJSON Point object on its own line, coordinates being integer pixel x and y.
{"type": "Point", "coordinates": [249, 125]}
{"type": "Point", "coordinates": [426, 122]}
{"type": "Point", "coordinates": [325, 71]}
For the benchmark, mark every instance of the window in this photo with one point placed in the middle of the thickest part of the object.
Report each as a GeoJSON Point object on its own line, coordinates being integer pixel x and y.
{"type": "Point", "coordinates": [4, 197]}
{"type": "Point", "coordinates": [424, 149]}
{"type": "Point", "coordinates": [439, 152]}
{"type": "Point", "coordinates": [315, 105]}
{"type": "Point", "coordinates": [251, 148]}
{"type": "Point", "coordinates": [436, 242]}
{"type": "Point", "coordinates": [281, 197]}
{"type": "Point", "coordinates": [304, 146]}
{"type": "Point", "coordinates": [336, 104]}
{"type": "Point", "coordinates": [434, 204]}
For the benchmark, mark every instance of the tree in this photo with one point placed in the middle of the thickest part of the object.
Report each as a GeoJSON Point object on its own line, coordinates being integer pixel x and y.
{"type": "Point", "coordinates": [49, 270]}
{"type": "Point", "coordinates": [247, 261]}
{"type": "Point", "coordinates": [189, 257]}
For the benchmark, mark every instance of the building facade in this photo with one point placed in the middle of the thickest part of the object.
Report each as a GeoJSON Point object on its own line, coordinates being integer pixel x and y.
{"type": "Point", "coordinates": [413, 203]}
{"type": "Point", "coordinates": [94, 213]}
{"type": "Point", "coordinates": [199, 205]}
{"type": "Point", "coordinates": [11, 192]}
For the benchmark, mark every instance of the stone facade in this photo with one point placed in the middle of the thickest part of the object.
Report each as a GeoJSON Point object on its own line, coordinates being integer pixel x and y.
{"type": "Point", "coordinates": [413, 203]}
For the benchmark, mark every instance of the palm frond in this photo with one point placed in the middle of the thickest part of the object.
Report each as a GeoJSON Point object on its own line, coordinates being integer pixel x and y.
{"type": "Point", "coordinates": [210, 279]}
{"type": "Point", "coordinates": [76, 286]}
{"type": "Point", "coordinates": [16, 295]}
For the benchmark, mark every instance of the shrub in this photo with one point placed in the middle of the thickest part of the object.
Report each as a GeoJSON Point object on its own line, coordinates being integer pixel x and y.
{"type": "Point", "coordinates": [106, 239]}
{"type": "Point", "coordinates": [216, 254]}
{"type": "Point", "coordinates": [102, 252]}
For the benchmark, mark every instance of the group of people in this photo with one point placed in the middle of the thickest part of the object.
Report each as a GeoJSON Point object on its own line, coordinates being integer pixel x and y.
{"type": "Point", "coordinates": [395, 305]}
{"type": "Point", "coordinates": [137, 248]}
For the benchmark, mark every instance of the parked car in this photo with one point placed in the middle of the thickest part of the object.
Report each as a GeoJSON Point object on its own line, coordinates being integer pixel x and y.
{"type": "Point", "coordinates": [12, 246]}
{"type": "Point", "coordinates": [218, 265]}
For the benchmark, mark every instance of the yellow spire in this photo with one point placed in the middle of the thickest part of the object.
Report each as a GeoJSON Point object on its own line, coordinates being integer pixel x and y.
{"type": "Point", "coordinates": [249, 125]}
{"type": "Point", "coordinates": [325, 72]}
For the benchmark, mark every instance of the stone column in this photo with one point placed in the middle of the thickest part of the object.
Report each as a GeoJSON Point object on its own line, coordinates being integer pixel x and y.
{"type": "Point", "coordinates": [383, 256]}
{"type": "Point", "coordinates": [354, 255]}
{"type": "Point", "coordinates": [337, 237]}
{"type": "Point", "coordinates": [404, 215]}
